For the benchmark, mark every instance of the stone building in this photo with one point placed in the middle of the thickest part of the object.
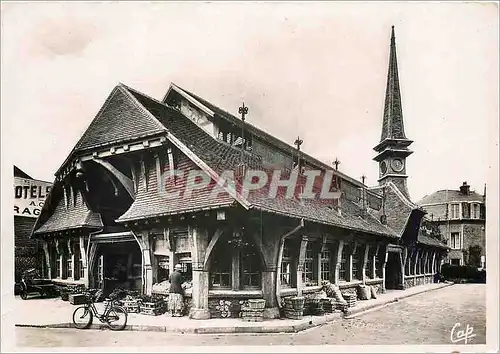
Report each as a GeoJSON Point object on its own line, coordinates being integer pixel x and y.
{"type": "Point", "coordinates": [460, 216]}
{"type": "Point", "coordinates": [147, 186]}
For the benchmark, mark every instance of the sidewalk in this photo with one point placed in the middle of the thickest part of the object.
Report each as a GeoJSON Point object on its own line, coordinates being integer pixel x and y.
{"type": "Point", "coordinates": [55, 313]}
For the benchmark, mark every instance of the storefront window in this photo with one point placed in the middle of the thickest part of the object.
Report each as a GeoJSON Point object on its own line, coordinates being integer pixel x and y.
{"type": "Point", "coordinates": [355, 264]}
{"type": "Point", "coordinates": [325, 264]}
{"type": "Point", "coordinates": [58, 267]}
{"type": "Point", "coordinates": [343, 264]}
{"type": "Point", "coordinates": [69, 267]}
{"type": "Point", "coordinates": [163, 268]}
{"type": "Point", "coordinates": [286, 265]}
{"type": "Point", "coordinates": [221, 269]}
{"type": "Point", "coordinates": [82, 270]}
{"type": "Point", "coordinates": [250, 268]}
{"type": "Point", "coordinates": [308, 274]}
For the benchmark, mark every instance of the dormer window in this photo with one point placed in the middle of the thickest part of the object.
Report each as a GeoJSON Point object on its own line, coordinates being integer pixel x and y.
{"type": "Point", "coordinates": [454, 211]}
{"type": "Point", "coordinates": [475, 211]}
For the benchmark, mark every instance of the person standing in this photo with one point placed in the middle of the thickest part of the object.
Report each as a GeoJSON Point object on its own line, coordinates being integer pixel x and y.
{"type": "Point", "coordinates": [176, 293]}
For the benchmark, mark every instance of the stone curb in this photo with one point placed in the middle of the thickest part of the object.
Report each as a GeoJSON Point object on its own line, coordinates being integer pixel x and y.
{"type": "Point", "coordinates": [288, 328]}
{"type": "Point", "coordinates": [306, 323]}
{"type": "Point", "coordinates": [356, 312]}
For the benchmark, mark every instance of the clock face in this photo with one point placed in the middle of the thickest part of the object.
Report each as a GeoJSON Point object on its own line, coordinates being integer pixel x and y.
{"type": "Point", "coordinates": [397, 165]}
{"type": "Point", "coordinates": [383, 167]}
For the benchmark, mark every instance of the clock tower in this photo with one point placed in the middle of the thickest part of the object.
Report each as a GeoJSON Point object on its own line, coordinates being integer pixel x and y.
{"type": "Point", "coordinates": [392, 150]}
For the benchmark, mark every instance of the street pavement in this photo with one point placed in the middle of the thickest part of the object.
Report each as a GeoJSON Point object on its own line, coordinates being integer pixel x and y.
{"type": "Point", "coordinates": [426, 318]}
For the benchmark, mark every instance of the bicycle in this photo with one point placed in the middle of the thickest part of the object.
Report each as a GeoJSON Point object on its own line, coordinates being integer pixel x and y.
{"type": "Point", "coordinates": [114, 316]}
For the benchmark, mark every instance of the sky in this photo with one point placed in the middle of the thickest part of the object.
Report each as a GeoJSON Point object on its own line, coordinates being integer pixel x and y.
{"type": "Point", "coordinates": [314, 70]}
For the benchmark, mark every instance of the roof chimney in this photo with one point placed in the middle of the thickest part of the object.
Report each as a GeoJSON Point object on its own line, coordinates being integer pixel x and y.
{"type": "Point", "coordinates": [465, 189]}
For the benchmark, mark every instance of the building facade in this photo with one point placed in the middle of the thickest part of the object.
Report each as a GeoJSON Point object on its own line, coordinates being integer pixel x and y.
{"type": "Point", "coordinates": [29, 196]}
{"type": "Point", "coordinates": [154, 183]}
{"type": "Point", "coordinates": [460, 216]}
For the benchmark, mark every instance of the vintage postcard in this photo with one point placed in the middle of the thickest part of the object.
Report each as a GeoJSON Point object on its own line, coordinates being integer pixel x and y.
{"type": "Point", "coordinates": [250, 176]}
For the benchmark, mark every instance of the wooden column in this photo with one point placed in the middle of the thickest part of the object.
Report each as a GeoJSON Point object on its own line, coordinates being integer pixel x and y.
{"type": "Point", "coordinates": [433, 266]}
{"type": "Point", "coordinates": [199, 244]}
{"type": "Point", "coordinates": [300, 265]}
{"type": "Point", "coordinates": [384, 262]}
{"type": "Point", "coordinates": [365, 261]}
{"type": "Point", "coordinates": [83, 257]}
{"type": "Point", "coordinates": [416, 262]}
{"type": "Point", "coordinates": [147, 267]}
{"type": "Point", "coordinates": [338, 258]}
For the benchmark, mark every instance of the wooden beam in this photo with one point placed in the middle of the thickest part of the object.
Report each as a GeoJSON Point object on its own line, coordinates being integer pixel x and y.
{"type": "Point", "coordinates": [211, 245]}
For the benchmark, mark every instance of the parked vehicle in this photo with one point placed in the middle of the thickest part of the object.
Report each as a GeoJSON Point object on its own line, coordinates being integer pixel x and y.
{"type": "Point", "coordinates": [114, 316]}
{"type": "Point", "coordinates": [30, 285]}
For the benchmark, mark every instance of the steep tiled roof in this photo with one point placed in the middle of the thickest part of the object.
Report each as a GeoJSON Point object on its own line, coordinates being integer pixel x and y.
{"type": "Point", "coordinates": [447, 195]}
{"type": "Point", "coordinates": [265, 136]}
{"type": "Point", "coordinates": [221, 157]}
{"type": "Point", "coordinates": [75, 216]}
{"type": "Point", "coordinates": [119, 119]}
{"type": "Point", "coordinates": [430, 241]}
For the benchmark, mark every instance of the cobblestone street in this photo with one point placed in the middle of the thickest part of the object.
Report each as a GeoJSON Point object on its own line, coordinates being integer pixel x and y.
{"type": "Point", "coordinates": [426, 318]}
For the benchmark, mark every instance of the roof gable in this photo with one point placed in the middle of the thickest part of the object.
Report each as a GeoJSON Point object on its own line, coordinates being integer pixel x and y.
{"type": "Point", "coordinates": [120, 118]}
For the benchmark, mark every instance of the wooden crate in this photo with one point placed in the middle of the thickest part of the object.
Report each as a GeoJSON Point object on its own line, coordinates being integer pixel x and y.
{"type": "Point", "coordinates": [152, 308]}
{"type": "Point", "coordinates": [77, 299]}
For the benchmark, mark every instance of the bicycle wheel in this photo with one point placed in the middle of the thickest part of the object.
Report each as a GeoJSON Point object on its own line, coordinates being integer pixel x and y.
{"type": "Point", "coordinates": [117, 318]}
{"type": "Point", "coordinates": [82, 317]}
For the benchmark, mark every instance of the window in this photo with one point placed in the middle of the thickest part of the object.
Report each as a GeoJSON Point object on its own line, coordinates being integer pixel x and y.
{"type": "Point", "coordinates": [455, 209]}
{"type": "Point", "coordinates": [250, 268]}
{"type": "Point", "coordinates": [475, 211]}
{"type": "Point", "coordinates": [455, 261]}
{"type": "Point", "coordinates": [422, 264]}
{"type": "Point", "coordinates": [286, 265]}
{"type": "Point", "coordinates": [236, 266]}
{"type": "Point", "coordinates": [163, 271]}
{"type": "Point", "coordinates": [355, 264]}
{"type": "Point", "coordinates": [343, 264]}
{"type": "Point", "coordinates": [221, 270]}
{"type": "Point", "coordinates": [308, 274]}
{"type": "Point", "coordinates": [455, 240]}
{"type": "Point", "coordinates": [82, 270]}
{"type": "Point", "coordinates": [325, 264]}
{"type": "Point", "coordinates": [58, 267]}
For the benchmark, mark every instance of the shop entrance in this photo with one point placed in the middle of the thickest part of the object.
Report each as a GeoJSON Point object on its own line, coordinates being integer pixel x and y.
{"type": "Point", "coordinates": [118, 265]}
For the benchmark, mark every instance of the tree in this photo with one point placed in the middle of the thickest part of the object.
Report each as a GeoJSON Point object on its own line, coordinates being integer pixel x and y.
{"type": "Point", "coordinates": [474, 253]}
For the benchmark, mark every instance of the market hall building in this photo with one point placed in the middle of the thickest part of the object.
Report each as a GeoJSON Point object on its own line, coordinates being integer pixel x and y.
{"type": "Point", "coordinates": [109, 221]}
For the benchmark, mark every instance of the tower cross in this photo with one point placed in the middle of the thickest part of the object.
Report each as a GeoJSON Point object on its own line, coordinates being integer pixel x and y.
{"type": "Point", "coordinates": [363, 177]}
{"type": "Point", "coordinates": [243, 110]}
{"type": "Point", "coordinates": [336, 163]}
{"type": "Point", "coordinates": [298, 142]}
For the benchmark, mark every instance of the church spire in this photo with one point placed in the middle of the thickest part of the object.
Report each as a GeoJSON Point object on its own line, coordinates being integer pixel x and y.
{"type": "Point", "coordinates": [393, 146]}
{"type": "Point", "coordinates": [393, 126]}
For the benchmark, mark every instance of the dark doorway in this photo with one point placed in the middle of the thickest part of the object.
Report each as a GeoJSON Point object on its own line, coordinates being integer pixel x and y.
{"type": "Point", "coordinates": [118, 265]}
{"type": "Point", "coordinates": [393, 275]}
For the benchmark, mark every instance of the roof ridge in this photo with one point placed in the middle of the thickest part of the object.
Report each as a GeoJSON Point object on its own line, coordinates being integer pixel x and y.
{"type": "Point", "coordinates": [309, 157]}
